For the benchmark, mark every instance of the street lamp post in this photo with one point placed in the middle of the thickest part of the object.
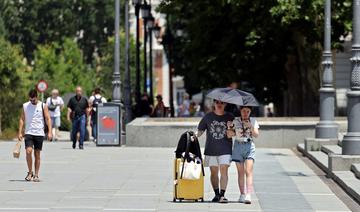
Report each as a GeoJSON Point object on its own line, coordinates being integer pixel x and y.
{"type": "Point", "coordinates": [127, 83]}
{"type": "Point", "coordinates": [327, 128]}
{"type": "Point", "coordinates": [169, 40]}
{"type": "Point", "coordinates": [137, 4]}
{"type": "Point", "coordinates": [351, 142]}
{"type": "Point", "coordinates": [145, 12]}
{"type": "Point", "coordinates": [150, 23]}
{"type": "Point", "coordinates": [116, 82]}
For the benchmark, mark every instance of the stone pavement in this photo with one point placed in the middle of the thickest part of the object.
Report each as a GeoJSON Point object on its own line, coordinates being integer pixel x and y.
{"type": "Point", "coordinates": [140, 179]}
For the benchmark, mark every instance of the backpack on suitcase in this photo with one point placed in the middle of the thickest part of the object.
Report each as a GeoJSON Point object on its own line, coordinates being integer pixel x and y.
{"type": "Point", "coordinates": [188, 155]}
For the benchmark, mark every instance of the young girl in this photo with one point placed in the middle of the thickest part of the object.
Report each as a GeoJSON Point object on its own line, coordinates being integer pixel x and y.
{"type": "Point", "coordinates": [242, 130]}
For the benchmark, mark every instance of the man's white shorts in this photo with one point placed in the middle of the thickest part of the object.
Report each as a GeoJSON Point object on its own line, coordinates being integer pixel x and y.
{"type": "Point", "coordinates": [217, 160]}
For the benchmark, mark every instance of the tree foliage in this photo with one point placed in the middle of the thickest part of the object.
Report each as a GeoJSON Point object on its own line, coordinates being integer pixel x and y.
{"type": "Point", "coordinates": [63, 67]}
{"type": "Point", "coordinates": [13, 75]}
{"type": "Point", "coordinates": [272, 47]}
{"type": "Point", "coordinates": [35, 22]}
{"type": "Point", "coordinates": [67, 43]}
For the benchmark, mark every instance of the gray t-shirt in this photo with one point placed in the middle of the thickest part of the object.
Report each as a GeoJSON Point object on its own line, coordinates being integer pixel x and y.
{"type": "Point", "coordinates": [217, 142]}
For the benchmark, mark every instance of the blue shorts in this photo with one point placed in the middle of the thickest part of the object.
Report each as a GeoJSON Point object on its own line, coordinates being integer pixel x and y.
{"type": "Point", "coordinates": [55, 122]}
{"type": "Point", "coordinates": [243, 151]}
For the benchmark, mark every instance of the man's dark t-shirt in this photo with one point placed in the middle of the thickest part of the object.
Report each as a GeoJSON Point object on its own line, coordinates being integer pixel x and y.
{"type": "Point", "coordinates": [78, 106]}
{"type": "Point", "coordinates": [217, 142]}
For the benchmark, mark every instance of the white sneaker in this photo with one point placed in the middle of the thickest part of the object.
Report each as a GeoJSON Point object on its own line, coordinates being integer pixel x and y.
{"type": "Point", "coordinates": [247, 199]}
{"type": "Point", "coordinates": [242, 198]}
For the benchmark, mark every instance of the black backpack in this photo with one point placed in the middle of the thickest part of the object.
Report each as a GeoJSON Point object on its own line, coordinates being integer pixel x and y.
{"type": "Point", "coordinates": [96, 102]}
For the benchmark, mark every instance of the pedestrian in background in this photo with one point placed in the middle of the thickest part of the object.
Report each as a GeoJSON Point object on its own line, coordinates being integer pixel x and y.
{"type": "Point", "coordinates": [94, 101]}
{"type": "Point", "coordinates": [160, 110]}
{"type": "Point", "coordinates": [77, 112]}
{"type": "Point", "coordinates": [55, 105]}
{"type": "Point", "coordinates": [144, 108]}
{"type": "Point", "coordinates": [184, 108]}
{"type": "Point", "coordinates": [34, 115]}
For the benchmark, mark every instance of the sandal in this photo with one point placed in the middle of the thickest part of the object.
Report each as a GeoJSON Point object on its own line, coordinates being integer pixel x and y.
{"type": "Point", "coordinates": [29, 176]}
{"type": "Point", "coordinates": [36, 179]}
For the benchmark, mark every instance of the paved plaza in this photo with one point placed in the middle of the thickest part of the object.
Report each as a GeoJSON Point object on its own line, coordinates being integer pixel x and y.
{"type": "Point", "coordinates": [140, 179]}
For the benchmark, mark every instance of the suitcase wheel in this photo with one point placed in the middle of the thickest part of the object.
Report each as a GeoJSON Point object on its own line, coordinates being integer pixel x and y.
{"type": "Point", "coordinates": [202, 199]}
{"type": "Point", "coordinates": [196, 200]}
{"type": "Point", "coordinates": [174, 200]}
{"type": "Point", "coordinates": [180, 200]}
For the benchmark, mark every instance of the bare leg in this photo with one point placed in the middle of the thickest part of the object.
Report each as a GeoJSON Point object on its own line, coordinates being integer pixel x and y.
{"type": "Point", "coordinates": [29, 151]}
{"type": "Point", "coordinates": [37, 162]}
{"type": "Point", "coordinates": [223, 176]}
{"type": "Point", "coordinates": [241, 177]}
{"type": "Point", "coordinates": [249, 175]}
{"type": "Point", "coordinates": [54, 133]}
{"type": "Point", "coordinates": [214, 178]}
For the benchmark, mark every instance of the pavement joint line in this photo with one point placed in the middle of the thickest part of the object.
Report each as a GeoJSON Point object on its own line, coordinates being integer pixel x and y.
{"type": "Point", "coordinates": [129, 209]}
{"type": "Point", "coordinates": [237, 209]}
{"type": "Point", "coordinates": [144, 195]}
{"type": "Point", "coordinates": [85, 197]}
{"type": "Point", "coordinates": [294, 193]}
{"type": "Point", "coordinates": [331, 211]}
{"type": "Point", "coordinates": [77, 208]}
{"type": "Point", "coordinates": [5, 209]}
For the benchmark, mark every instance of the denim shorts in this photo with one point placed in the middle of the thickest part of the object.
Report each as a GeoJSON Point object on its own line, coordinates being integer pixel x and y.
{"type": "Point", "coordinates": [55, 122]}
{"type": "Point", "coordinates": [243, 151]}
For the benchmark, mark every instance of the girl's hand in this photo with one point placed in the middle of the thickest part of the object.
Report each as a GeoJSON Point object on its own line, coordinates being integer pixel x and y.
{"type": "Point", "coordinates": [230, 125]}
{"type": "Point", "coordinates": [230, 133]}
{"type": "Point", "coordinates": [247, 124]}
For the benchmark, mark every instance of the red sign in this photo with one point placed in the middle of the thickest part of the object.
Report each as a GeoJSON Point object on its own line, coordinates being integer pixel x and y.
{"type": "Point", "coordinates": [42, 86]}
{"type": "Point", "coordinates": [108, 122]}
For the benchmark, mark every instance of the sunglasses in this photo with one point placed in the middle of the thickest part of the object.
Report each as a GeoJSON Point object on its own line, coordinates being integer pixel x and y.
{"type": "Point", "coordinates": [219, 102]}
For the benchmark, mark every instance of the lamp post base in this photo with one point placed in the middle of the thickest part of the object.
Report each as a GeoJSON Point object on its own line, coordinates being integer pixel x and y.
{"type": "Point", "coordinates": [351, 144]}
{"type": "Point", "coordinates": [326, 129]}
{"type": "Point", "coordinates": [351, 141]}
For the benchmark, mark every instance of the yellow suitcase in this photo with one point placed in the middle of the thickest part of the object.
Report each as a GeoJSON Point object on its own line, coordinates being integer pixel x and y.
{"type": "Point", "coordinates": [187, 189]}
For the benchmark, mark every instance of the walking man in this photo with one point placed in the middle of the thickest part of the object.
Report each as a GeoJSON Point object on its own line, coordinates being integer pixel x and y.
{"type": "Point", "coordinates": [94, 101]}
{"type": "Point", "coordinates": [218, 148]}
{"type": "Point", "coordinates": [55, 104]}
{"type": "Point", "coordinates": [34, 115]}
{"type": "Point", "coordinates": [77, 112]}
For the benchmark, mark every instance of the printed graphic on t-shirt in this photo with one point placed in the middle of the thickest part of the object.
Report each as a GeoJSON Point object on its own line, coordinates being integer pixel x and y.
{"type": "Point", "coordinates": [218, 130]}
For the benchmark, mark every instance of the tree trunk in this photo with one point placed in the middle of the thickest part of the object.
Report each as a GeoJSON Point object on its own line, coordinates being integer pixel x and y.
{"type": "Point", "coordinates": [302, 74]}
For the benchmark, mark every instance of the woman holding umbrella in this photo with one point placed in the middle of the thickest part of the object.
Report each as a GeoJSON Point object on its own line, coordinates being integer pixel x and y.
{"type": "Point", "coordinates": [242, 130]}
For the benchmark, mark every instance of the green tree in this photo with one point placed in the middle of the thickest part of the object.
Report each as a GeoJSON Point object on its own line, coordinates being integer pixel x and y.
{"type": "Point", "coordinates": [35, 22]}
{"type": "Point", "coordinates": [272, 47]}
{"type": "Point", "coordinates": [13, 74]}
{"type": "Point", "coordinates": [63, 67]}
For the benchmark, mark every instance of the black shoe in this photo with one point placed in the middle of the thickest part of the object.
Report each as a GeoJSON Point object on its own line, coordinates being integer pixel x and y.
{"type": "Point", "coordinates": [81, 147]}
{"type": "Point", "coordinates": [74, 145]}
{"type": "Point", "coordinates": [223, 200]}
{"type": "Point", "coordinates": [216, 199]}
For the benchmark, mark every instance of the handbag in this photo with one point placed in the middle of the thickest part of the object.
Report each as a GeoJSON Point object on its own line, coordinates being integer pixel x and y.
{"type": "Point", "coordinates": [190, 170]}
{"type": "Point", "coordinates": [16, 151]}
{"type": "Point", "coordinates": [52, 107]}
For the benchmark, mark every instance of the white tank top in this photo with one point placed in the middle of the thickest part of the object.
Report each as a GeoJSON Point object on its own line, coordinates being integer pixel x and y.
{"type": "Point", "coordinates": [34, 121]}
